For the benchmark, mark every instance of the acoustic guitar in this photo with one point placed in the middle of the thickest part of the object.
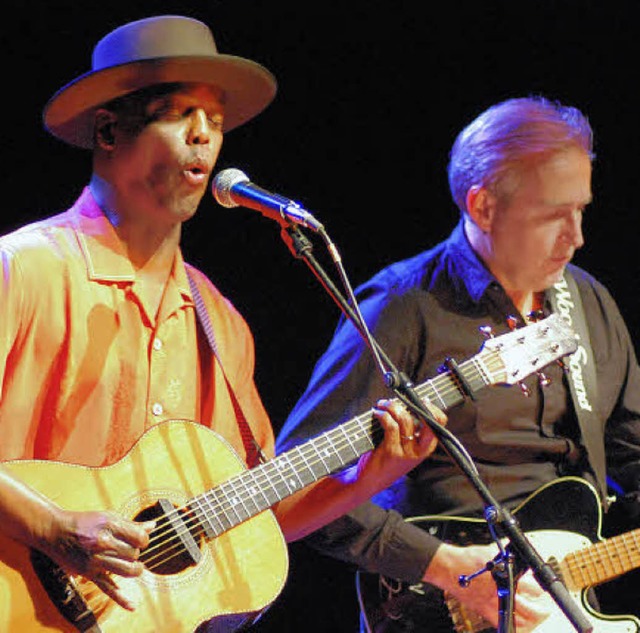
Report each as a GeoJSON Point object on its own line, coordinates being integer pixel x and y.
{"type": "Point", "coordinates": [217, 555]}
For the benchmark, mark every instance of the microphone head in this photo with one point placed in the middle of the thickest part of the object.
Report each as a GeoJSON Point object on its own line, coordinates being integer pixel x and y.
{"type": "Point", "coordinates": [222, 184]}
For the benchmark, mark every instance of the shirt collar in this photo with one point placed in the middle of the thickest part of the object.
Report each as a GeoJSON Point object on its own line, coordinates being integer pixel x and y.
{"type": "Point", "coordinates": [103, 250]}
{"type": "Point", "coordinates": [468, 267]}
{"type": "Point", "coordinates": [101, 247]}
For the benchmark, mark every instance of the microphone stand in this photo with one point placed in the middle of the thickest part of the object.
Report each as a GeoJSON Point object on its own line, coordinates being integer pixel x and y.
{"type": "Point", "coordinates": [518, 554]}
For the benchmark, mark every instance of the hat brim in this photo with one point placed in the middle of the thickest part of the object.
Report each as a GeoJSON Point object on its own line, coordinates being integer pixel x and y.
{"type": "Point", "coordinates": [248, 89]}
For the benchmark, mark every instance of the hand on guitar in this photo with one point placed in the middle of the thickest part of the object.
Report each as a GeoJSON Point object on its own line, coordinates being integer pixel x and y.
{"type": "Point", "coordinates": [94, 545]}
{"type": "Point", "coordinates": [406, 442]}
{"type": "Point", "coordinates": [532, 604]}
{"type": "Point", "coordinates": [404, 445]}
{"type": "Point", "coordinates": [97, 545]}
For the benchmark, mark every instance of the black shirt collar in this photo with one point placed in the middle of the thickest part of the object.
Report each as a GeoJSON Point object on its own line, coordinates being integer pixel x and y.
{"type": "Point", "coordinates": [468, 266]}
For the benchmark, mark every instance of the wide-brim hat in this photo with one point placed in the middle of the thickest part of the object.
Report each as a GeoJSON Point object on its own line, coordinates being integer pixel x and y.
{"type": "Point", "coordinates": [156, 50]}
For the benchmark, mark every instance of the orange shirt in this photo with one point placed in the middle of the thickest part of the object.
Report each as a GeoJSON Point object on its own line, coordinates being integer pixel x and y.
{"type": "Point", "coordinates": [85, 370]}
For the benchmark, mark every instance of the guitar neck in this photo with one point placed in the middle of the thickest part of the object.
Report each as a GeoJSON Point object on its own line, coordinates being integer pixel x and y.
{"type": "Point", "coordinates": [258, 489]}
{"type": "Point", "coordinates": [602, 561]}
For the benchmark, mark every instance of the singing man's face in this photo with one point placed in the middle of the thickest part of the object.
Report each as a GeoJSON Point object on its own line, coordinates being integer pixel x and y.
{"type": "Point", "coordinates": [164, 155]}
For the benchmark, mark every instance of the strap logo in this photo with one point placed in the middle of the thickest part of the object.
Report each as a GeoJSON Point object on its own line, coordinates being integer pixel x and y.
{"type": "Point", "coordinates": [580, 358]}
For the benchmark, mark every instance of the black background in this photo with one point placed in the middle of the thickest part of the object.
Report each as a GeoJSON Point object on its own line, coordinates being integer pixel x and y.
{"type": "Point", "coordinates": [371, 96]}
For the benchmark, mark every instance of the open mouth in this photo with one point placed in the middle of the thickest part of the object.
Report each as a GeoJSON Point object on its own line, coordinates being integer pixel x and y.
{"type": "Point", "coordinates": [196, 173]}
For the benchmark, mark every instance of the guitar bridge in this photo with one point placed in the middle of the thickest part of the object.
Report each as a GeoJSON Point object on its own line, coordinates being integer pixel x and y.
{"type": "Point", "coordinates": [63, 593]}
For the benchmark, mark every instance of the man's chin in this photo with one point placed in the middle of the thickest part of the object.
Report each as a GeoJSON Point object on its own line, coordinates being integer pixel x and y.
{"type": "Point", "coordinates": [188, 206]}
{"type": "Point", "coordinates": [555, 276]}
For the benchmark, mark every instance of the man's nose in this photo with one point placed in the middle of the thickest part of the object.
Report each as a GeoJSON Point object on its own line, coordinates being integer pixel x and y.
{"type": "Point", "coordinates": [199, 130]}
{"type": "Point", "coordinates": [574, 233]}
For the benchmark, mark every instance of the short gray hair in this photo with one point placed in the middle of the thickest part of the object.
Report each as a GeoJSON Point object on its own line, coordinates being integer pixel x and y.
{"type": "Point", "coordinates": [495, 143]}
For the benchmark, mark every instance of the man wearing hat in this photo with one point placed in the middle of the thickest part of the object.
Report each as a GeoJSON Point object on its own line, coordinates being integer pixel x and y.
{"type": "Point", "coordinates": [107, 332]}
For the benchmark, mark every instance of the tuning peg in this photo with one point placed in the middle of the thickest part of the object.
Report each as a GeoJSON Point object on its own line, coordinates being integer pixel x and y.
{"type": "Point", "coordinates": [513, 322]}
{"type": "Point", "coordinates": [486, 331]}
{"type": "Point", "coordinates": [535, 315]}
{"type": "Point", "coordinates": [544, 380]}
{"type": "Point", "coordinates": [525, 390]}
{"type": "Point", "coordinates": [563, 366]}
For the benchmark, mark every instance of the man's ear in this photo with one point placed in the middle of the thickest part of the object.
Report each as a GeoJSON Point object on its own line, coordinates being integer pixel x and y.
{"type": "Point", "coordinates": [481, 207]}
{"type": "Point", "coordinates": [105, 124]}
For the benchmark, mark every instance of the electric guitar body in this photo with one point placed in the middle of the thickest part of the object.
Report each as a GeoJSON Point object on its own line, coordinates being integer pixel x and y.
{"type": "Point", "coordinates": [562, 520]}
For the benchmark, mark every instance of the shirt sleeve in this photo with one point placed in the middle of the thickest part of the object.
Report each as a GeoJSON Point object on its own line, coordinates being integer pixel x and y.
{"type": "Point", "coordinates": [378, 541]}
{"type": "Point", "coordinates": [346, 381]}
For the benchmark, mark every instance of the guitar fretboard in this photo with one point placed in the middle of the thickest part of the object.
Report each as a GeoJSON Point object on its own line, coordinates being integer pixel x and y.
{"type": "Point", "coordinates": [602, 561]}
{"type": "Point", "coordinates": [506, 359]}
{"type": "Point", "coordinates": [257, 489]}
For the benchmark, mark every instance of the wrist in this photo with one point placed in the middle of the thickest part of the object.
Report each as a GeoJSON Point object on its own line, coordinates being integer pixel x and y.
{"type": "Point", "coordinates": [444, 568]}
{"type": "Point", "coordinates": [26, 515]}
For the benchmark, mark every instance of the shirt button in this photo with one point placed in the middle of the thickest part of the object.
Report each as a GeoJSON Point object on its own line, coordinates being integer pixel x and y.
{"type": "Point", "coordinates": [157, 344]}
{"type": "Point", "coordinates": [157, 409]}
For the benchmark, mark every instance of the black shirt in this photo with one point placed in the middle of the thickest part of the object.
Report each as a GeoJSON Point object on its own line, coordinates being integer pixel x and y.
{"type": "Point", "coordinates": [421, 311]}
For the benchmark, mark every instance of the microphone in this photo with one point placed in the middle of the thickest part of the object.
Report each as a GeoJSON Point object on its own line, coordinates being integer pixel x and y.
{"type": "Point", "coordinates": [232, 188]}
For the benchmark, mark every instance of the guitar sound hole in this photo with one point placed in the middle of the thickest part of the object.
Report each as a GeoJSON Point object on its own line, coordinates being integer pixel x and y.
{"type": "Point", "coordinates": [172, 543]}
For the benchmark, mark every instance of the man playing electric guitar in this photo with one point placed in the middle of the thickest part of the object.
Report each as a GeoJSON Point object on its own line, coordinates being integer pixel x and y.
{"type": "Point", "coordinates": [562, 520]}
{"type": "Point", "coordinates": [520, 175]}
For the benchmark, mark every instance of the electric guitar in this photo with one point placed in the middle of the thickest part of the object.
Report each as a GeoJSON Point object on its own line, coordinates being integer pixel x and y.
{"type": "Point", "coordinates": [217, 555]}
{"type": "Point", "coordinates": [562, 520]}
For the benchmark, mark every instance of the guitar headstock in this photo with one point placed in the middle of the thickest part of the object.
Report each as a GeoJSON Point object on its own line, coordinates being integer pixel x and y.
{"type": "Point", "coordinates": [511, 357]}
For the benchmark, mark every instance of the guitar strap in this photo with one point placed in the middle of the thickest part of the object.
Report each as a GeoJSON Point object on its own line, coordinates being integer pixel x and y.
{"type": "Point", "coordinates": [254, 452]}
{"type": "Point", "coordinates": [566, 301]}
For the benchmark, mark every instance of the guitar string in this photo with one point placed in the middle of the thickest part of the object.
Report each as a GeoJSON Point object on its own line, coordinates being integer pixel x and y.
{"type": "Point", "coordinates": [100, 597]}
{"type": "Point", "coordinates": [574, 564]}
{"type": "Point", "coordinates": [160, 538]}
{"type": "Point", "coordinates": [350, 434]}
{"type": "Point", "coordinates": [355, 435]}
{"type": "Point", "coordinates": [232, 504]}
{"type": "Point", "coordinates": [292, 484]}
{"type": "Point", "coordinates": [165, 544]}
